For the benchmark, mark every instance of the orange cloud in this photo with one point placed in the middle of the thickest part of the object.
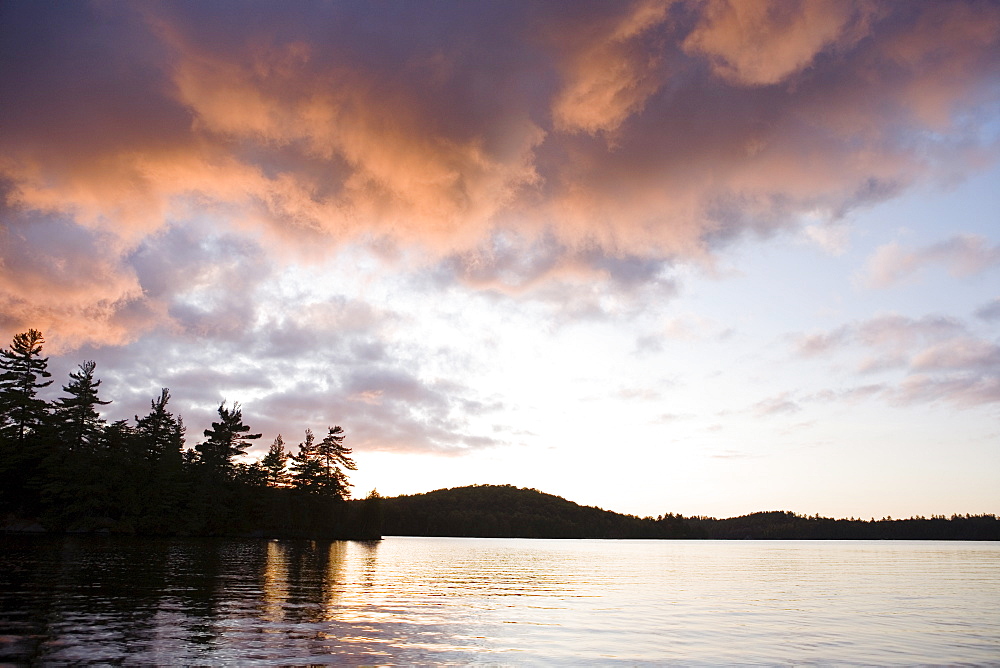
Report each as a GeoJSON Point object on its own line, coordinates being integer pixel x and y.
{"type": "Point", "coordinates": [763, 42]}
{"type": "Point", "coordinates": [650, 130]}
{"type": "Point", "coordinates": [608, 71]}
{"type": "Point", "coordinates": [395, 173]}
{"type": "Point", "coordinates": [63, 282]}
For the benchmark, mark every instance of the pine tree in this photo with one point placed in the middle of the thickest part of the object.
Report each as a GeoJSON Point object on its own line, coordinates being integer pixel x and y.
{"type": "Point", "coordinates": [159, 433]}
{"type": "Point", "coordinates": [77, 420]}
{"type": "Point", "coordinates": [306, 467]}
{"type": "Point", "coordinates": [334, 457]}
{"type": "Point", "coordinates": [274, 463]}
{"type": "Point", "coordinates": [21, 367]}
{"type": "Point", "coordinates": [225, 440]}
{"type": "Point", "coordinates": [155, 467]}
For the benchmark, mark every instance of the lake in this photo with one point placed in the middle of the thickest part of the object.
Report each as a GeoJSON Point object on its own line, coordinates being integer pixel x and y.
{"type": "Point", "coordinates": [497, 601]}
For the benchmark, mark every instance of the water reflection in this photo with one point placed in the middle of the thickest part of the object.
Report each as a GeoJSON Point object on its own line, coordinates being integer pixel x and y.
{"type": "Point", "coordinates": [468, 601]}
{"type": "Point", "coordinates": [275, 589]}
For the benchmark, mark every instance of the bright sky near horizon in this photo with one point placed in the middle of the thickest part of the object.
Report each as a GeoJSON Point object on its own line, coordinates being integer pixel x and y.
{"type": "Point", "coordinates": [703, 257]}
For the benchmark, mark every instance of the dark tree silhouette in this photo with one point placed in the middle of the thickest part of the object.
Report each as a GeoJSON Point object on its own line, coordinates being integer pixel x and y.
{"type": "Point", "coordinates": [306, 468]}
{"type": "Point", "coordinates": [154, 475]}
{"type": "Point", "coordinates": [333, 458]}
{"type": "Point", "coordinates": [138, 479]}
{"type": "Point", "coordinates": [78, 423]}
{"type": "Point", "coordinates": [226, 439]}
{"type": "Point", "coordinates": [21, 367]}
{"type": "Point", "coordinates": [274, 463]}
{"type": "Point", "coordinates": [159, 433]}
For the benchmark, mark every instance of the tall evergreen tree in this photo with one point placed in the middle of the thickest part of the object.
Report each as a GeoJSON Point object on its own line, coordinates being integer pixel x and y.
{"type": "Point", "coordinates": [334, 457]}
{"type": "Point", "coordinates": [156, 468]}
{"type": "Point", "coordinates": [226, 439]}
{"type": "Point", "coordinates": [306, 467]}
{"type": "Point", "coordinates": [21, 367]}
{"type": "Point", "coordinates": [159, 433]}
{"type": "Point", "coordinates": [78, 423]}
{"type": "Point", "coordinates": [274, 463]}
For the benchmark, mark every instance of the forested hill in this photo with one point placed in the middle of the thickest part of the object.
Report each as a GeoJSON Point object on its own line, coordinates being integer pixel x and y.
{"type": "Point", "coordinates": [505, 511]}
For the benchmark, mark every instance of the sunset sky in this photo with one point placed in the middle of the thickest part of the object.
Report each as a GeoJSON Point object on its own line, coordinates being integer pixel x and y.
{"type": "Point", "coordinates": [704, 257]}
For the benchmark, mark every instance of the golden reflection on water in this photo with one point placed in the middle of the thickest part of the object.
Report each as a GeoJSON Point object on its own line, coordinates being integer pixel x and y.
{"type": "Point", "coordinates": [274, 590]}
{"type": "Point", "coordinates": [333, 580]}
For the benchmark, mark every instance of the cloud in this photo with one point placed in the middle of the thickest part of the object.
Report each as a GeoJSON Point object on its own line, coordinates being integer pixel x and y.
{"type": "Point", "coordinates": [608, 69]}
{"type": "Point", "coordinates": [962, 353]}
{"type": "Point", "coordinates": [308, 365]}
{"type": "Point", "coordinates": [510, 265]}
{"type": "Point", "coordinates": [821, 343]}
{"type": "Point", "coordinates": [165, 169]}
{"type": "Point", "coordinates": [963, 390]}
{"type": "Point", "coordinates": [834, 239]}
{"type": "Point", "coordinates": [70, 283]}
{"type": "Point", "coordinates": [862, 392]}
{"type": "Point", "coordinates": [776, 405]}
{"type": "Point", "coordinates": [932, 358]}
{"type": "Point", "coordinates": [889, 332]}
{"type": "Point", "coordinates": [764, 42]}
{"type": "Point", "coordinates": [989, 311]}
{"type": "Point", "coordinates": [645, 131]}
{"type": "Point", "coordinates": [573, 284]}
{"type": "Point", "coordinates": [962, 255]}
{"type": "Point", "coordinates": [388, 409]}
{"type": "Point", "coordinates": [898, 332]}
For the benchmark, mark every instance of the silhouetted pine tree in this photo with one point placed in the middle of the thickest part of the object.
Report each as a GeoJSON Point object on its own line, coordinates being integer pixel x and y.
{"type": "Point", "coordinates": [21, 367]}
{"type": "Point", "coordinates": [157, 467]}
{"type": "Point", "coordinates": [334, 457]}
{"type": "Point", "coordinates": [159, 433]}
{"type": "Point", "coordinates": [219, 501]}
{"type": "Point", "coordinates": [274, 463]}
{"type": "Point", "coordinates": [77, 421]}
{"type": "Point", "coordinates": [306, 467]}
{"type": "Point", "coordinates": [24, 447]}
{"type": "Point", "coordinates": [76, 491]}
{"type": "Point", "coordinates": [225, 440]}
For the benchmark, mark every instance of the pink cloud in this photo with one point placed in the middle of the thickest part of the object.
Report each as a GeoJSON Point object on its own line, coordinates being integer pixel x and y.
{"type": "Point", "coordinates": [821, 343]}
{"type": "Point", "coordinates": [962, 255]}
{"type": "Point", "coordinates": [922, 359]}
{"type": "Point", "coordinates": [959, 354]}
{"type": "Point", "coordinates": [964, 390]}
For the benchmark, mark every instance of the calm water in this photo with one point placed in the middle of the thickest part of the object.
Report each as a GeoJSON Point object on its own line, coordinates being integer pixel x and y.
{"type": "Point", "coordinates": [498, 602]}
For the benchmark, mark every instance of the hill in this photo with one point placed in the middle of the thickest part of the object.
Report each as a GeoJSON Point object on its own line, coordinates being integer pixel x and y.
{"type": "Point", "coordinates": [505, 511]}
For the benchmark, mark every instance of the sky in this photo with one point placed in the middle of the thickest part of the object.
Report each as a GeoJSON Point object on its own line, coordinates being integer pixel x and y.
{"type": "Point", "coordinates": [702, 257]}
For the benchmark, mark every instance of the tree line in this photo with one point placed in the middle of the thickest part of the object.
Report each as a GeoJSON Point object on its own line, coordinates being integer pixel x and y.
{"type": "Point", "coordinates": [64, 468]}
{"type": "Point", "coordinates": [505, 511]}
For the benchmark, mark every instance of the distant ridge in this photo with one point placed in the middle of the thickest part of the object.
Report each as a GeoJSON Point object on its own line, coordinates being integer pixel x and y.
{"type": "Point", "coordinates": [505, 511]}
